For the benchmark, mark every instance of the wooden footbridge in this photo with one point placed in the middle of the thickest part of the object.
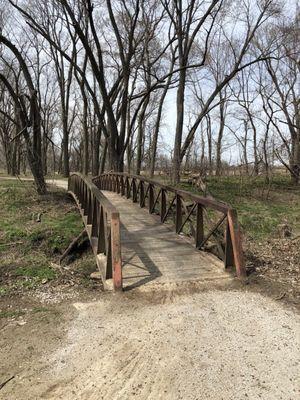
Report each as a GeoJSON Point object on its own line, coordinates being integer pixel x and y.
{"type": "Point", "coordinates": [142, 231]}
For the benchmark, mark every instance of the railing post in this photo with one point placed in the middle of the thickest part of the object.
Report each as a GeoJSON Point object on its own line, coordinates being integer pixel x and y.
{"type": "Point", "coordinates": [79, 194]}
{"type": "Point", "coordinates": [95, 218]}
{"type": "Point", "coordinates": [163, 204]}
{"type": "Point", "coordinates": [236, 240]}
{"type": "Point", "coordinates": [89, 207]}
{"type": "Point", "coordinates": [142, 194]}
{"type": "Point", "coordinates": [84, 199]}
{"type": "Point", "coordinates": [229, 257]}
{"type": "Point", "coordinates": [134, 191]}
{"type": "Point", "coordinates": [75, 186]}
{"type": "Point", "coordinates": [199, 226]}
{"type": "Point", "coordinates": [116, 251]}
{"type": "Point", "coordinates": [178, 214]}
{"type": "Point", "coordinates": [122, 186]}
{"type": "Point", "coordinates": [151, 197]}
{"type": "Point", "coordinates": [101, 247]}
{"type": "Point", "coordinates": [127, 188]}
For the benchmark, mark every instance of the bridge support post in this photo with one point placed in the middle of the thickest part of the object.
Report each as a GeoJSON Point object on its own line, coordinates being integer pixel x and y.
{"type": "Point", "coordinates": [116, 251]}
{"type": "Point", "coordinates": [134, 191]}
{"type": "Point", "coordinates": [151, 198]}
{"type": "Point", "coordinates": [122, 186]}
{"type": "Point", "coordinates": [127, 188]}
{"type": "Point", "coordinates": [178, 215]}
{"type": "Point", "coordinates": [236, 241]}
{"type": "Point", "coordinates": [142, 194]}
{"type": "Point", "coordinates": [163, 205]}
{"type": "Point", "coordinates": [199, 237]}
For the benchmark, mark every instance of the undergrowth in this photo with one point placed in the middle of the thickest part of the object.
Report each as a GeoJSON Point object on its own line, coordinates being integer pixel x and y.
{"type": "Point", "coordinates": [261, 207]}
{"type": "Point", "coordinates": [29, 248]}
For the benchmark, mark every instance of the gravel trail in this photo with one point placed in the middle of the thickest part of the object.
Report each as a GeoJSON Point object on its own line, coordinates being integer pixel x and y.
{"type": "Point", "coordinates": [208, 345]}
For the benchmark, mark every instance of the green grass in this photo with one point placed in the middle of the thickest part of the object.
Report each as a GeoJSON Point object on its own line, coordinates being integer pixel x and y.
{"type": "Point", "coordinates": [38, 271]}
{"type": "Point", "coordinates": [261, 207]}
{"type": "Point", "coordinates": [28, 247]}
{"type": "Point", "coordinates": [40, 310]}
{"type": "Point", "coordinates": [19, 313]}
{"type": "Point", "coordinates": [3, 291]}
{"type": "Point", "coordinates": [11, 314]}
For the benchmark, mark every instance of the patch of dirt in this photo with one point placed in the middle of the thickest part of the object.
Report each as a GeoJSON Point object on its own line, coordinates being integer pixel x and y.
{"type": "Point", "coordinates": [216, 345]}
{"type": "Point", "coordinates": [276, 267]}
{"type": "Point", "coordinates": [34, 326]}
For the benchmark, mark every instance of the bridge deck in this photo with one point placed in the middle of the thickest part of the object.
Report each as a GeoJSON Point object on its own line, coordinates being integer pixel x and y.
{"type": "Point", "coordinates": [152, 252]}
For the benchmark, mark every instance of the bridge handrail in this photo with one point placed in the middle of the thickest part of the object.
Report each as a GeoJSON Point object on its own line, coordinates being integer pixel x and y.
{"type": "Point", "coordinates": [102, 223]}
{"type": "Point", "coordinates": [205, 201]}
{"type": "Point", "coordinates": [140, 188]}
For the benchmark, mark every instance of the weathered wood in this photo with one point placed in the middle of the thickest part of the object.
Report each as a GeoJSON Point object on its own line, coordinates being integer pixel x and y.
{"type": "Point", "coordinates": [199, 232]}
{"type": "Point", "coordinates": [134, 191]}
{"type": "Point", "coordinates": [142, 194]}
{"type": "Point", "coordinates": [212, 231]}
{"type": "Point", "coordinates": [151, 198]}
{"type": "Point", "coordinates": [116, 251]}
{"type": "Point", "coordinates": [180, 208]}
{"type": "Point", "coordinates": [102, 223]}
{"type": "Point", "coordinates": [229, 257]}
{"type": "Point", "coordinates": [236, 239]}
{"type": "Point", "coordinates": [151, 252]}
{"type": "Point", "coordinates": [163, 205]}
{"type": "Point", "coordinates": [72, 245]}
{"type": "Point", "coordinates": [178, 215]}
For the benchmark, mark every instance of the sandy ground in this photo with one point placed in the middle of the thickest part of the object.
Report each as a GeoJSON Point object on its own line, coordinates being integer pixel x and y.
{"type": "Point", "coordinates": [206, 345]}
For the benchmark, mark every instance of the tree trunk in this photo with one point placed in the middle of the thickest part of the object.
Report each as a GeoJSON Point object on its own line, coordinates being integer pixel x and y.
{"type": "Point", "coordinates": [96, 152]}
{"type": "Point", "coordinates": [220, 138]}
{"type": "Point", "coordinates": [103, 158]}
{"type": "Point", "coordinates": [256, 162]}
{"type": "Point", "coordinates": [179, 126]}
{"type": "Point", "coordinates": [85, 136]}
{"type": "Point", "coordinates": [157, 125]}
{"type": "Point", "coordinates": [35, 164]}
{"type": "Point", "coordinates": [209, 145]}
{"type": "Point", "coordinates": [65, 149]}
{"type": "Point", "coordinates": [295, 176]}
{"type": "Point", "coordinates": [140, 137]}
{"type": "Point", "coordinates": [116, 162]}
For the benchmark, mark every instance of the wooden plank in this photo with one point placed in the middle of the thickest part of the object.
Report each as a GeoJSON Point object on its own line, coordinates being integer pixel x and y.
{"type": "Point", "coordinates": [152, 253]}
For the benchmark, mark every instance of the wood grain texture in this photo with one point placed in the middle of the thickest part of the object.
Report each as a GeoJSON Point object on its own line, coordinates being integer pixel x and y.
{"type": "Point", "coordinates": [153, 253]}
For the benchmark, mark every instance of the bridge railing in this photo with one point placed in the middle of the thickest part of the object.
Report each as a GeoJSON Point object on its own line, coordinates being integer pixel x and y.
{"type": "Point", "coordinates": [213, 225]}
{"type": "Point", "coordinates": [102, 223]}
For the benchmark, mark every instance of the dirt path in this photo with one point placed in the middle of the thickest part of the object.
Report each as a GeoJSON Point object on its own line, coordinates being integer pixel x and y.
{"type": "Point", "coordinates": [208, 345]}
{"type": "Point", "coordinates": [62, 183]}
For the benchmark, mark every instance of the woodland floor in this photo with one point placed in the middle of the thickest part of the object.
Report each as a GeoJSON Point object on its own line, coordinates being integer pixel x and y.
{"type": "Point", "coordinates": [62, 337]}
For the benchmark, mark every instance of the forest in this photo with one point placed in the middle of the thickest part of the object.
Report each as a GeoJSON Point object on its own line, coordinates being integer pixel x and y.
{"type": "Point", "coordinates": [153, 87]}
